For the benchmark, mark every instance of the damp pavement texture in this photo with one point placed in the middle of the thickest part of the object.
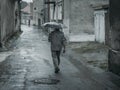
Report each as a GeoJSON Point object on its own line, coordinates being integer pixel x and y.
{"type": "Point", "coordinates": [28, 65]}
{"type": "Point", "coordinates": [94, 55]}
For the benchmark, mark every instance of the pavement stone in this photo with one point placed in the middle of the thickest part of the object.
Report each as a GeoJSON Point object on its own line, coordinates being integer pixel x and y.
{"type": "Point", "coordinates": [31, 60]}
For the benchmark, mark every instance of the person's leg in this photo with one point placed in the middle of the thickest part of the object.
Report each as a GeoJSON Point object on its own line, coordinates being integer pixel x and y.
{"type": "Point", "coordinates": [58, 57]}
{"type": "Point", "coordinates": [55, 61]}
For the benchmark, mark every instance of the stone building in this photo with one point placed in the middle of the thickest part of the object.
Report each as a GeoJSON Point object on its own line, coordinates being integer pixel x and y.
{"type": "Point", "coordinates": [27, 14]}
{"type": "Point", "coordinates": [114, 34]}
{"type": "Point", "coordinates": [9, 19]}
{"type": "Point", "coordinates": [38, 6]}
{"type": "Point", "coordinates": [47, 10]}
{"type": "Point", "coordinates": [79, 17]}
{"type": "Point", "coordinates": [53, 10]}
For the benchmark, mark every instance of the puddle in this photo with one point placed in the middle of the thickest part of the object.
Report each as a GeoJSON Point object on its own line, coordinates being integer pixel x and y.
{"type": "Point", "coordinates": [46, 81]}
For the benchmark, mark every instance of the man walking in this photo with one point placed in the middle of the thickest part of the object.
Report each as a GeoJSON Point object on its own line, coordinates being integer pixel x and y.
{"type": "Point", "coordinates": [57, 40]}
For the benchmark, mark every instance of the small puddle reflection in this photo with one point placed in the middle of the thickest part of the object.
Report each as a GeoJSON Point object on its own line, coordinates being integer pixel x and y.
{"type": "Point", "coordinates": [46, 81]}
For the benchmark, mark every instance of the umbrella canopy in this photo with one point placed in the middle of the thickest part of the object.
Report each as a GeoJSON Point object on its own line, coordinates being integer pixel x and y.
{"type": "Point", "coordinates": [53, 25]}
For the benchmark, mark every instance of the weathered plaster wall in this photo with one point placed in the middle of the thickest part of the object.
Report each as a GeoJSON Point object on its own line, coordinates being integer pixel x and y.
{"type": "Point", "coordinates": [7, 18]}
{"type": "Point", "coordinates": [0, 23]}
{"type": "Point", "coordinates": [7, 25]}
{"type": "Point", "coordinates": [37, 7]}
{"type": "Point", "coordinates": [114, 52]}
{"type": "Point", "coordinates": [66, 17]}
{"type": "Point", "coordinates": [82, 15]}
{"type": "Point", "coordinates": [17, 17]}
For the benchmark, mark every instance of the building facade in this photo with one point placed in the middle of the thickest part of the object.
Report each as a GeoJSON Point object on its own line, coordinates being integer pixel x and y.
{"type": "Point", "coordinates": [53, 9]}
{"type": "Point", "coordinates": [114, 50]}
{"type": "Point", "coordinates": [46, 11]}
{"type": "Point", "coordinates": [38, 6]}
{"type": "Point", "coordinates": [79, 16]}
{"type": "Point", "coordinates": [27, 14]}
{"type": "Point", "coordinates": [101, 22]}
{"type": "Point", "coordinates": [9, 19]}
{"type": "Point", "coordinates": [56, 10]}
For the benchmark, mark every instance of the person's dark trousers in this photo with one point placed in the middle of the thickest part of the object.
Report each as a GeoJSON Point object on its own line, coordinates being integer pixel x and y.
{"type": "Point", "coordinates": [58, 56]}
{"type": "Point", "coordinates": [56, 59]}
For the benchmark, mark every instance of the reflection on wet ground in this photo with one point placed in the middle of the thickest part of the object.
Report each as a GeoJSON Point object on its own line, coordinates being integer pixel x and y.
{"type": "Point", "coordinates": [29, 66]}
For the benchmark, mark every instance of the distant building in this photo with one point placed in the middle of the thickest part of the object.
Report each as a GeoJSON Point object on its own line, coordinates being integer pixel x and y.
{"type": "Point", "coordinates": [27, 14]}
{"type": "Point", "coordinates": [47, 10]}
{"type": "Point", "coordinates": [57, 11]}
{"type": "Point", "coordinates": [77, 15]}
{"type": "Point", "coordinates": [9, 19]}
{"type": "Point", "coordinates": [38, 6]}
{"type": "Point", "coordinates": [54, 9]}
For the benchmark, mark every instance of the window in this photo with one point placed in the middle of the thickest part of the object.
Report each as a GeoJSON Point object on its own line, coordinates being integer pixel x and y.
{"type": "Point", "coordinates": [35, 8]}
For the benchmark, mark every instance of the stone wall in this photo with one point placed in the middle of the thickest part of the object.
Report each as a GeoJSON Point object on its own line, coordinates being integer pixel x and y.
{"type": "Point", "coordinates": [114, 52]}
{"type": "Point", "coordinates": [7, 25]}
{"type": "Point", "coordinates": [82, 15]}
{"type": "Point", "coordinates": [37, 7]}
{"type": "Point", "coordinates": [0, 23]}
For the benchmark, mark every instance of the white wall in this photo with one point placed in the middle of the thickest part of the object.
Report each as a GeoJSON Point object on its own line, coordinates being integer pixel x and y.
{"type": "Point", "coordinates": [99, 25]}
{"type": "Point", "coordinates": [38, 4]}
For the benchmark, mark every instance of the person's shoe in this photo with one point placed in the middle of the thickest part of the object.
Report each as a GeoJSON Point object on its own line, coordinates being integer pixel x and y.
{"type": "Point", "coordinates": [57, 70]}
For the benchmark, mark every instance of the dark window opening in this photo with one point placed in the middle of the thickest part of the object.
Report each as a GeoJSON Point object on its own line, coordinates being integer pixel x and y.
{"type": "Point", "coordinates": [35, 8]}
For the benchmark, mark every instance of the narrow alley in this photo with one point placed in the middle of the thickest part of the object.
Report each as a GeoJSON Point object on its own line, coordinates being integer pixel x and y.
{"type": "Point", "coordinates": [28, 66]}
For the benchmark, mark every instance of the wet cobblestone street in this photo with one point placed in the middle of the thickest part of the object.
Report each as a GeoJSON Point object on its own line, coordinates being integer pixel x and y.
{"type": "Point", "coordinates": [29, 66]}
